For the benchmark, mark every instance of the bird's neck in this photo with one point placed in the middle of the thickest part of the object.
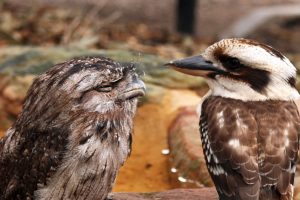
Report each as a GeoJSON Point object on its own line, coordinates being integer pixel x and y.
{"type": "Point", "coordinates": [244, 92]}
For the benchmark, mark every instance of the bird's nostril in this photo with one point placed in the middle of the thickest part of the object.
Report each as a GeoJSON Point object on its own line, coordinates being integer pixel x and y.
{"type": "Point", "coordinates": [134, 89]}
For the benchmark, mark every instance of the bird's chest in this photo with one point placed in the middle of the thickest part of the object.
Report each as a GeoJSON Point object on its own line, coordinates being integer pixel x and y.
{"type": "Point", "coordinates": [114, 147]}
{"type": "Point", "coordinates": [230, 126]}
{"type": "Point", "coordinates": [90, 166]}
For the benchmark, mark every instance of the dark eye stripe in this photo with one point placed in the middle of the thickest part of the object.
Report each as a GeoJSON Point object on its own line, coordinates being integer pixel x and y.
{"type": "Point", "coordinates": [258, 79]}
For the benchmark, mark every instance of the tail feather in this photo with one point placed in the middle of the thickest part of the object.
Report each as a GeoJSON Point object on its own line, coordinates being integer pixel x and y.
{"type": "Point", "coordinates": [271, 193]}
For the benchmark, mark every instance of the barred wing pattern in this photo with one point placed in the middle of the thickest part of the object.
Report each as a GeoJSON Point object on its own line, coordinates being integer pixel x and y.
{"type": "Point", "coordinates": [250, 147]}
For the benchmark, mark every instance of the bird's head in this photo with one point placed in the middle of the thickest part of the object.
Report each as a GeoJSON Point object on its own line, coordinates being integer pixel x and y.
{"type": "Point", "coordinates": [243, 69]}
{"type": "Point", "coordinates": [80, 87]}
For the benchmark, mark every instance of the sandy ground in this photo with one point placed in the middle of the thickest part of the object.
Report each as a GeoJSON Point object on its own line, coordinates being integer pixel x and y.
{"type": "Point", "coordinates": [147, 168]}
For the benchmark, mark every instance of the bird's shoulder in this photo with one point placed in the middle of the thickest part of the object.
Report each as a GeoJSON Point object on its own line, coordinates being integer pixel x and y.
{"type": "Point", "coordinates": [257, 140]}
{"type": "Point", "coordinates": [28, 159]}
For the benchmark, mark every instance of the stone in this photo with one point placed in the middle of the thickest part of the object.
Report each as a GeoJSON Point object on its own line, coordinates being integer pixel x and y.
{"type": "Point", "coordinates": [297, 193]}
{"type": "Point", "coordinates": [5, 119]}
{"type": "Point", "coordinates": [14, 92]}
{"type": "Point", "coordinates": [186, 156]}
{"type": "Point", "coordinates": [147, 168]}
{"type": "Point", "coordinates": [176, 194]}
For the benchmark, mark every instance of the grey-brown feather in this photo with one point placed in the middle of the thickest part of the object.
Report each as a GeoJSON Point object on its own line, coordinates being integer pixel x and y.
{"type": "Point", "coordinates": [70, 140]}
{"type": "Point", "coordinates": [250, 147]}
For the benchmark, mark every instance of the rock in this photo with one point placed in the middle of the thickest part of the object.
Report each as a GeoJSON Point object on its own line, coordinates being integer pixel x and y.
{"type": "Point", "coordinates": [297, 193]}
{"type": "Point", "coordinates": [147, 169]}
{"type": "Point", "coordinates": [177, 194]}
{"type": "Point", "coordinates": [297, 183]}
{"type": "Point", "coordinates": [5, 120]}
{"type": "Point", "coordinates": [14, 92]}
{"type": "Point", "coordinates": [186, 155]}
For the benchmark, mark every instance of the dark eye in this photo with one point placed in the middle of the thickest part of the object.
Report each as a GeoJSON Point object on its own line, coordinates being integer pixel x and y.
{"type": "Point", "coordinates": [233, 64]}
{"type": "Point", "coordinates": [104, 88]}
{"type": "Point", "coordinates": [234, 61]}
{"type": "Point", "coordinates": [230, 63]}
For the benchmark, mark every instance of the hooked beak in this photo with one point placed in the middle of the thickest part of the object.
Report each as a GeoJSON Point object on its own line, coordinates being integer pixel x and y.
{"type": "Point", "coordinates": [134, 89]}
{"type": "Point", "coordinates": [195, 65]}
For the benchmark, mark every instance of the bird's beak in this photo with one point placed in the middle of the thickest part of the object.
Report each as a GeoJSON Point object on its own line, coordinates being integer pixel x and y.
{"type": "Point", "coordinates": [195, 65]}
{"type": "Point", "coordinates": [134, 89]}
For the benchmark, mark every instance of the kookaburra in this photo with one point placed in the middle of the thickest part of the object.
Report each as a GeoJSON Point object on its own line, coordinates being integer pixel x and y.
{"type": "Point", "coordinates": [73, 134]}
{"type": "Point", "coordinates": [249, 122]}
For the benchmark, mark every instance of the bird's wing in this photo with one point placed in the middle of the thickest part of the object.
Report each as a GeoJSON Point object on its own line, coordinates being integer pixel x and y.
{"type": "Point", "coordinates": [249, 146]}
{"type": "Point", "coordinates": [228, 137]}
{"type": "Point", "coordinates": [28, 159]}
{"type": "Point", "coordinates": [279, 142]}
{"type": "Point", "coordinates": [229, 143]}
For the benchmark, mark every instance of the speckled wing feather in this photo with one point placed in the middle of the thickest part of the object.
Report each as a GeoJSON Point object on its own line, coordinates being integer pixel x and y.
{"type": "Point", "coordinates": [27, 160]}
{"type": "Point", "coordinates": [278, 147]}
{"type": "Point", "coordinates": [250, 147]}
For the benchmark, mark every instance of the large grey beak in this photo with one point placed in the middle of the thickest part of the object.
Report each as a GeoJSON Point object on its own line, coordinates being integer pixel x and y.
{"type": "Point", "coordinates": [195, 65]}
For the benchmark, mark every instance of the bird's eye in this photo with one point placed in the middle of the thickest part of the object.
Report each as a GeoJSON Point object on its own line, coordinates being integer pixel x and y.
{"type": "Point", "coordinates": [231, 63]}
{"type": "Point", "coordinates": [234, 61]}
{"type": "Point", "coordinates": [104, 88]}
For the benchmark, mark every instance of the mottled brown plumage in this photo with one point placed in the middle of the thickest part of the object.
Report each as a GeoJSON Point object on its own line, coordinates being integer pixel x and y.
{"type": "Point", "coordinates": [73, 134]}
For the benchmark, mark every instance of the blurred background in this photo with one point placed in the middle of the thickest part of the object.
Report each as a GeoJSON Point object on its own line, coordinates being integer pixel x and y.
{"type": "Point", "coordinates": [36, 34]}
